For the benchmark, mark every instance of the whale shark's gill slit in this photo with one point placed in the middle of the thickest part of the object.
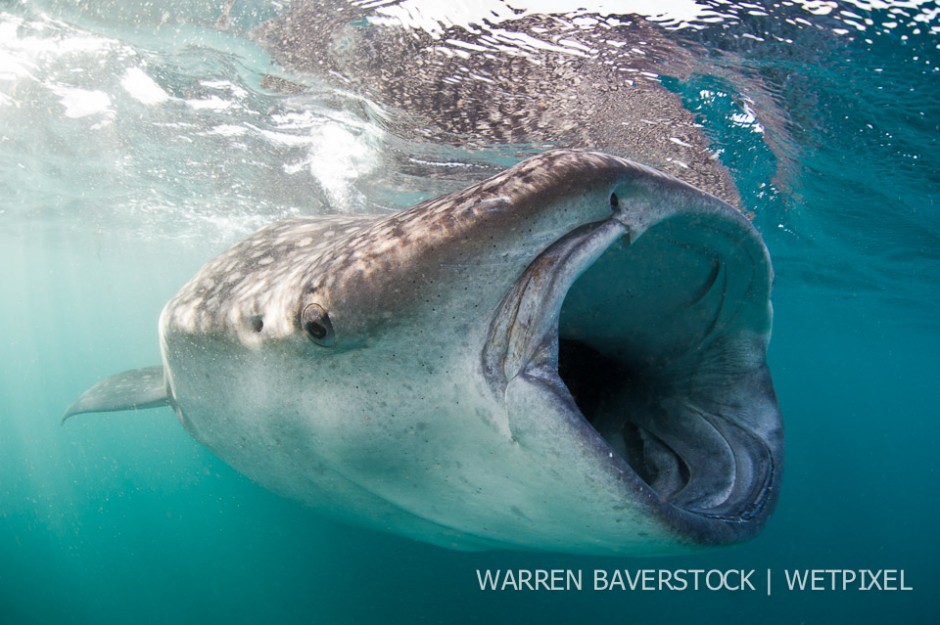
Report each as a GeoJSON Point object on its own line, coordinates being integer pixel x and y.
{"type": "Point", "coordinates": [654, 461]}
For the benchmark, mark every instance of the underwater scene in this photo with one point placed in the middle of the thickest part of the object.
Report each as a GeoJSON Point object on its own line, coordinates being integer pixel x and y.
{"type": "Point", "coordinates": [541, 398]}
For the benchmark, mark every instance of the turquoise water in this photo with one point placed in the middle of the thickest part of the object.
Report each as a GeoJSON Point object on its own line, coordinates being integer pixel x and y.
{"type": "Point", "coordinates": [137, 140]}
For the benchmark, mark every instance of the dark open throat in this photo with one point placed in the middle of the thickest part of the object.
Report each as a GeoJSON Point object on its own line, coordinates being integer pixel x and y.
{"type": "Point", "coordinates": [617, 397]}
{"type": "Point", "coordinates": [679, 444]}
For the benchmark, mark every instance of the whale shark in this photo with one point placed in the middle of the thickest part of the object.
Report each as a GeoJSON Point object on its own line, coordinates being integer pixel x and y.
{"type": "Point", "coordinates": [569, 357]}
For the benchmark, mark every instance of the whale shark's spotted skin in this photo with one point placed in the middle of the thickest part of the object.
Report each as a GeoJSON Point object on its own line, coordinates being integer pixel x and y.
{"type": "Point", "coordinates": [247, 281]}
{"type": "Point", "coordinates": [569, 356]}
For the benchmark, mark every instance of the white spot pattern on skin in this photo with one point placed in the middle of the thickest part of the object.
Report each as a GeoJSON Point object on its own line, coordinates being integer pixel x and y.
{"type": "Point", "coordinates": [266, 274]}
{"type": "Point", "coordinates": [259, 277]}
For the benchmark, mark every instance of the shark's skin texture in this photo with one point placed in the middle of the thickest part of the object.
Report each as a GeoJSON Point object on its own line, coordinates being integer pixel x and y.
{"type": "Point", "coordinates": [567, 357]}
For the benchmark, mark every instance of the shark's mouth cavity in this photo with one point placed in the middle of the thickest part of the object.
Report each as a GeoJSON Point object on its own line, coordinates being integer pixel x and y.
{"type": "Point", "coordinates": [650, 347]}
{"type": "Point", "coordinates": [659, 343]}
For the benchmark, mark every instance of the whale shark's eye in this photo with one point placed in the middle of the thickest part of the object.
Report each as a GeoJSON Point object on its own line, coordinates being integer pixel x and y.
{"type": "Point", "coordinates": [316, 323]}
{"type": "Point", "coordinates": [614, 201]}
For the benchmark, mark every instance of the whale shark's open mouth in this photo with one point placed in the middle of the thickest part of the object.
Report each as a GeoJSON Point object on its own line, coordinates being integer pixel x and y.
{"type": "Point", "coordinates": [659, 344]}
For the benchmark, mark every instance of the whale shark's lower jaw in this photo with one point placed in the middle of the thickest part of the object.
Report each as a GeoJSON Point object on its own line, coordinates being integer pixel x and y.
{"type": "Point", "coordinates": [655, 343]}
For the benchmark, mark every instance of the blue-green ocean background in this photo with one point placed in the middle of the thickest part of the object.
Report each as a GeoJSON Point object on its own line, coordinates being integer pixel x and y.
{"type": "Point", "coordinates": [112, 195]}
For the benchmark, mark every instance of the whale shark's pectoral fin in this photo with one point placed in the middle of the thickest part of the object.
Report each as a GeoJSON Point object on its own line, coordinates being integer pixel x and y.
{"type": "Point", "coordinates": [130, 390]}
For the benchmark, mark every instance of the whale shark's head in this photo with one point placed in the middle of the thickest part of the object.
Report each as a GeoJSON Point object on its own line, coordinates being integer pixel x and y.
{"type": "Point", "coordinates": [569, 356]}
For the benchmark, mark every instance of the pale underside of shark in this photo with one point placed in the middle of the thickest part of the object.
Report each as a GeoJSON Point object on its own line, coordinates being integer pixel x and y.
{"type": "Point", "coordinates": [569, 356]}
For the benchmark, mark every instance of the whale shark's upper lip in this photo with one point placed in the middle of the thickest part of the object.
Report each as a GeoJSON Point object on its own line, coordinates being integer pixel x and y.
{"type": "Point", "coordinates": [646, 335]}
